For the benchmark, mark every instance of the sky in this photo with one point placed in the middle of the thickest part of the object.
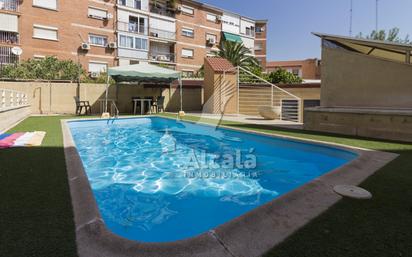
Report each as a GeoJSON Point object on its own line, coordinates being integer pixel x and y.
{"type": "Point", "coordinates": [292, 21]}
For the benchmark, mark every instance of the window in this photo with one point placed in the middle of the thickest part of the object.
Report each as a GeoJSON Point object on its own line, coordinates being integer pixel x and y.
{"type": "Point", "coordinates": [140, 43]}
{"type": "Point", "coordinates": [188, 32]}
{"type": "Point", "coordinates": [211, 38]}
{"type": "Point", "coordinates": [48, 4]}
{"type": "Point", "coordinates": [260, 29]}
{"type": "Point", "coordinates": [137, 24]}
{"type": "Point", "coordinates": [98, 40]}
{"type": "Point", "coordinates": [44, 32]}
{"type": "Point", "coordinates": [250, 31]}
{"type": "Point", "coordinates": [187, 53]}
{"type": "Point", "coordinates": [188, 10]}
{"type": "Point", "coordinates": [259, 46]}
{"type": "Point", "coordinates": [126, 41]}
{"type": "Point", "coordinates": [211, 17]}
{"type": "Point", "coordinates": [296, 72]}
{"type": "Point", "coordinates": [97, 67]}
{"type": "Point", "coordinates": [38, 57]}
{"type": "Point", "coordinates": [97, 13]}
{"type": "Point", "coordinates": [133, 42]}
{"type": "Point", "coordinates": [188, 74]}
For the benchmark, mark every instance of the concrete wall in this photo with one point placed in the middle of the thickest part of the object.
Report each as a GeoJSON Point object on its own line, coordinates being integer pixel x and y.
{"type": "Point", "coordinates": [12, 116]}
{"type": "Point", "coordinates": [51, 98]}
{"type": "Point", "coordinates": [375, 124]}
{"type": "Point", "coordinates": [353, 80]}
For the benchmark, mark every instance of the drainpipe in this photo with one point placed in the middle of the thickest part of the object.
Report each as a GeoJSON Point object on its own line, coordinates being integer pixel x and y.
{"type": "Point", "coordinates": [408, 57]}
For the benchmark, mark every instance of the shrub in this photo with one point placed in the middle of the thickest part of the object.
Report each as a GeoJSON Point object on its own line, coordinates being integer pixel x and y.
{"type": "Point", "coordinates": [49, 68]}
{"type": "Point", "coordinates": [282, 76]}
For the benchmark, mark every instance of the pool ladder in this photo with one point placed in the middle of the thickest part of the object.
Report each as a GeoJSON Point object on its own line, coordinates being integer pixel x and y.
{"type": "Point", "coordinates": [114, 112]}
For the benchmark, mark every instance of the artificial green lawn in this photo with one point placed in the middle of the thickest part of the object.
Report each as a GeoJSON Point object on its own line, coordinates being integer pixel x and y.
{"type": "Point", "coordinates": [36, 217]}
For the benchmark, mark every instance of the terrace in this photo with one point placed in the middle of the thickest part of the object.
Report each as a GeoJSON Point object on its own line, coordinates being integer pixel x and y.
{"type": "Point", "coordinates": [34, 214]}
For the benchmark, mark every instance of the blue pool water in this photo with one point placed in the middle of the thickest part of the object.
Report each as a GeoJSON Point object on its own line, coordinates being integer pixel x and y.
{"type": "Point", "coordinates": [160, 180]}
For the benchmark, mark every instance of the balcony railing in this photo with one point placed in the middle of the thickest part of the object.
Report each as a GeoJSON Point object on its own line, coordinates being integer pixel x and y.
{"type": "Point", "coordinates": [7, 57]}
{"type": "Point", "coordinates": [11, 99]}
{"type": "Point", "coordinates": [163, 34]}
{"type": "Point", "coordinates": [161, 10]}
{"type": "Point", "coordinates": [161, 57]}
{"type": "Point", "coordinates": [9, 5]}
{"type": "Point", "coordinates": [7, 37]}
{"type": "Point", "coordinates": [132, 27]}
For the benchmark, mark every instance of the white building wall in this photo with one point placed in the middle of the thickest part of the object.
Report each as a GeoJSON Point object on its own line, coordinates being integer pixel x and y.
{"type": "Point", "coordinates": [231, 23]}
{"type": "Point", "coordinates": [244, 23]}
{"type": "Point", "coordinates": [249, 43]}
{"type": "Point", "coordinates": [132, 54]}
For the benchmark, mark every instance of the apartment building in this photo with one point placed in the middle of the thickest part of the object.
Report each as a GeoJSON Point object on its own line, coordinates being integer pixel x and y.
{"type": "Point", "coordinates": [309, 69]}
{"type": "Point", "coordinates": [102, 33]}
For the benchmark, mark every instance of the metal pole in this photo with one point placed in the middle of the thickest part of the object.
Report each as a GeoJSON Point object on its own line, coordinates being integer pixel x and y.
{"type": "Point", "coordinates": [351, 18]}
{"type": "Point", "coordinates": [107, 92]}
{"type": "Point", "coordinates": [238, 90]}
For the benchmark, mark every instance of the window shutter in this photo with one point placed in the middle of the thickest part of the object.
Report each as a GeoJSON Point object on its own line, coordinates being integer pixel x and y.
{"type": "Point", "coordinates": [9, 22]}
{"type": "Point", "coordinates": [50, 4]}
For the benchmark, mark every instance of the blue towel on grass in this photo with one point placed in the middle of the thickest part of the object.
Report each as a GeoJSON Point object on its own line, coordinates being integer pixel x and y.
{"type": "Point", "coordinates": [4, 136]}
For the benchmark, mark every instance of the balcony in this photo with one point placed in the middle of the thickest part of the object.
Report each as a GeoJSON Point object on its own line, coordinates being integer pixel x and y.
{"type": "Point", "coordinates": [163, 10]}
{"type": "Point", "coordinates": [132, 28]}
{"type": "Point", "coordinates": [7, 37]}
{"type": "Point", "coordinates": [155, 56]}
{"type": "Point", "coordinates": [9, 5]}
{"type": "Point", "coordinates": [162, 34]}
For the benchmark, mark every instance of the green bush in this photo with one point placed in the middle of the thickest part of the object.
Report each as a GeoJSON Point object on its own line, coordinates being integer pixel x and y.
{"type": "Point", "coordinates": [49, 68]}
{"type": "Point", "coordinates": [282, 76]}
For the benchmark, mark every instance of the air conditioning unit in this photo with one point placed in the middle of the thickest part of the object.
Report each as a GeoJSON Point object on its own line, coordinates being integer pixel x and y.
{"type": "Point", "coordinates": [109, 16]}
{"type": "Point", "coordinates": [94, 74]}
{"type": "Point", "coordinates": [211, 41]}
{"type": "Point", "coordinates": [112, 45]}
{"type": "Point", "coordinates": [85, 46]}
{"type": "Point", "coordinates": [162, 58]}
{"type": "Point", "coordinates": [153, 34]}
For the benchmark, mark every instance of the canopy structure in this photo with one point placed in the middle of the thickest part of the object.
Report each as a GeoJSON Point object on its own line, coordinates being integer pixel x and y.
{"type": "Point", "coordinates": [232, 37]}
{"type": "Point", "coordinates": [389, 50]}
{"type": "Point", "coordinates": [144, 72]}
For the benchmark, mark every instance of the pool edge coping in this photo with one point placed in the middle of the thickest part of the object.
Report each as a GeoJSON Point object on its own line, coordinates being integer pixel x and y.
{"type": "Point", "coordinates": [251, 234]}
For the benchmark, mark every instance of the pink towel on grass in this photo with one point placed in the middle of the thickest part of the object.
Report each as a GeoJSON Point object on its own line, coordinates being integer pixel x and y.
{"type": "Point", "coordinates": [9, 141]}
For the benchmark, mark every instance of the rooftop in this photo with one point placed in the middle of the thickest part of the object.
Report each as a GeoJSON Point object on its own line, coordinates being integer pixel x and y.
{"type": "Point", "coordinates": [219, 64]}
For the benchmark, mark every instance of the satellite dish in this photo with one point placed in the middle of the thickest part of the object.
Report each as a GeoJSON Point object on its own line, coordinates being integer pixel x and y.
{"type": "Point", "coordinates": [17, 50]}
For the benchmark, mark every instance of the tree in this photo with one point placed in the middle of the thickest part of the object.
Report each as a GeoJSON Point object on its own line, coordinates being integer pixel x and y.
{"type": "Point", "coordinates": [392, 36]}
{"type": "Point", "coordinates": [282, 76]}
{"type": "Point", "coordinates": [237, 54]}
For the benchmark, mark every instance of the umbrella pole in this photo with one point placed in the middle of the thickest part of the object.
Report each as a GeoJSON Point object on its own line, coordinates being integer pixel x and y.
{"type": "Point", "coordinates": [181, 93]}
{"type": "Point", "coordinates": [107, 93]}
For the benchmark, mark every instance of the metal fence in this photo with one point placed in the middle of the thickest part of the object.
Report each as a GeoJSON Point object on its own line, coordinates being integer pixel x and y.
{"type": "Point", "coordinates": [163, 34]}
{"type": "Point", "coordinates": [9, 5]}
{"type": "Point", "coordinates": [11, 98]}
{"type": "Point", "coordinates": [7, 37]}
{"type": "Point", "coordinates": [256, 94]}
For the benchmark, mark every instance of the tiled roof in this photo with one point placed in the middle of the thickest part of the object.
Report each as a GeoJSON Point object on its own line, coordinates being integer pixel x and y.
{"type": "Point", "coordinates": [219, 64]}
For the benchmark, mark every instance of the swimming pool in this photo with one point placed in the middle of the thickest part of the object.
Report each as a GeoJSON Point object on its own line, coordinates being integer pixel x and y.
{"type": "Point", "coordinates": [159, 180]}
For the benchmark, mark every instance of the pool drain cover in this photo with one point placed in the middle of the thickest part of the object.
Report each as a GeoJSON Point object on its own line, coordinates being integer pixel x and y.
{"type": "Point", "coordinates": [352, 192]}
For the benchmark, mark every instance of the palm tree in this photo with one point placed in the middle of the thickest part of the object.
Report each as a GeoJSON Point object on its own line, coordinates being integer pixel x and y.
{"type": "Point", "coordinates": [237, 54]}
